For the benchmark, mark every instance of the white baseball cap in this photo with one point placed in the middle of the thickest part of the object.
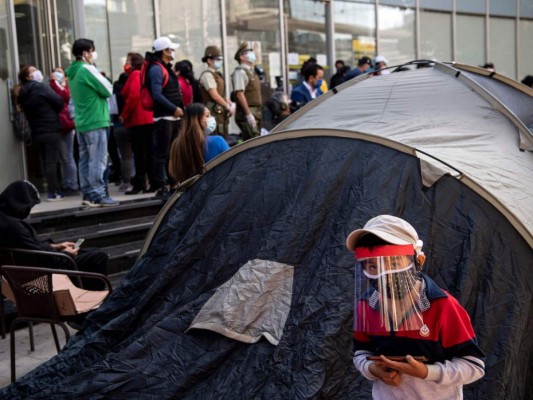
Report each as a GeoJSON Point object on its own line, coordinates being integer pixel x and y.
{"type": "Point", "coordinates": [391, 229]}
{"type": "Point", "coordinates": [163, 42]}
{"type": "Point", "coordinates": [379, 59]}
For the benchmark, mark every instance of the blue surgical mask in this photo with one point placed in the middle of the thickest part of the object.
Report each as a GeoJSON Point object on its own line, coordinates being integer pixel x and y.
{"type": "Point", "coordinates": [319, 83]}
{"type": "Point", "coordinates": [251, 56]}
{"type": "Point", "coordinates": [211, 125]}
{"type": "Point", "coordinates": [218, 64]}
{"type": "Point", "coordinates": [59, 76]}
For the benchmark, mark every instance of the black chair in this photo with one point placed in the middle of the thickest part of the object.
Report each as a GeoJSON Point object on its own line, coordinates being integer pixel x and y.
{"type": "Point", "coordinates": [48, 296]}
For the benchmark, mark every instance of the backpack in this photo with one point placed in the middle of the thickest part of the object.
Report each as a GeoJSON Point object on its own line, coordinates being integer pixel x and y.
{"type": "Point", "coordinates": [147, 101]}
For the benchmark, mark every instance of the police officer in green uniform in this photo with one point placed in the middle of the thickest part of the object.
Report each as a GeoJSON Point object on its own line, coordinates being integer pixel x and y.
{"type": "Point", "coordinates": [212, 89]}
{"type": "Point", "coordinates": [247, 88]}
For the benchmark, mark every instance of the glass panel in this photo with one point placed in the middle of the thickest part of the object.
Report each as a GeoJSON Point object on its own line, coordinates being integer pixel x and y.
{"type": "Point", "coordinates": [470, 34]}
{"type": "Point", "coordinates": [526, 9]}
{"type": "Point", "coordinates": [65, 25]}
{"type": "Point", "coordinates": [27, 16]}
{"type": "Point", "coordinates": [504, 8]}
{"type": "Point", "coordinates": [435, 36]}
{"type": "Point", "coordinates": [405, 3]}
{"type": "Point", "coordinates": [96, 30]}
{"type": "Point", "coordinates": [502, 46]}
{"type": "Point", "coordinates": [471, 6]}
{"type": "Point", "coordinates": [396, 34]}
{"type": "Point", "coordinates": [526, 55]}
{"type": "Point", "coordinates": [445, 5]}
{"type": "Point", "coordinates": [256, 22]}
{"type": "Point", "coordinates": [131, 27]}
{"type": "Point", "coordinates": [194, 25]}
{"type": "Point", "coordinates": [355, 29]}
{"type": "Point", "coordinates": [11, 149]}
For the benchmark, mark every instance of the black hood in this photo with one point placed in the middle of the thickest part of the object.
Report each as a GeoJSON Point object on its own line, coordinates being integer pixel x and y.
{"type": "Point", "coordinates": [18, 198]}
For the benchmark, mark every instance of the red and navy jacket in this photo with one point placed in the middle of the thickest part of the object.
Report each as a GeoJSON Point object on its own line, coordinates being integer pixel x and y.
{"type": "Point", "coordinates": [447, 332]}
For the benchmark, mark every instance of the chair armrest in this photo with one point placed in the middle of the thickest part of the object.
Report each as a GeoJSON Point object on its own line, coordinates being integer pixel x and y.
{"type": "Point", "coordinates": [11, 251]}
{"type": "Point", "coordinates": [50, 271]}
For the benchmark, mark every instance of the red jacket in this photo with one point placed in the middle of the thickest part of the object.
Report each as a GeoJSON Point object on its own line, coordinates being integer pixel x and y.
{"type": "Point", "coordinates": [67, 124]}
{"type": "Point", "coordinates": [133, 113]}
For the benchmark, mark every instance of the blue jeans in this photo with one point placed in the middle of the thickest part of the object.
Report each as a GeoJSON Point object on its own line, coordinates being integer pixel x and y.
{"type": "Point", "coordinates": [69, 170]}
{"type": "Point", "coordinates": [93, 162]}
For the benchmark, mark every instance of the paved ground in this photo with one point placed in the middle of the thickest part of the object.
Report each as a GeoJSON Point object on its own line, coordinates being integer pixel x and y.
{"type": "Point", "coordinates": [27, 360]}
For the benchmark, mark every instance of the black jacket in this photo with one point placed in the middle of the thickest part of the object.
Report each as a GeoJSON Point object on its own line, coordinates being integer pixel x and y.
{"type": "Point", "coordinates": [166, 98]}
{"type": "Point", "coordinates": [41, 106]}
{"type": "Point", "coordinates": [16, 202]}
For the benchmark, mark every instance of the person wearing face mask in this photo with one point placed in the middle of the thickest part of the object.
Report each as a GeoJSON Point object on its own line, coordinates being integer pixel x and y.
{"type": "Point", "coordinates": [90, 92]}
{"type": "Point", "coordinates": [195, 145]}
{"type": "Point", "coordinates": [165, 90]}
{"type": "Point", "coordinates": [42, 107]}
{"type": "Point", "coordinates": [247, 89]}
{"type": "Point", "coordinates": [139, 123]}
{"type": "Point", "coordinates": [309, 89]}
{"type": "Point", "coordinates": [69, 169]}
{"type": "Point", "coordinates": [212, 87]}
{"type": "Point", "coordinates": [16, 203]}
{"type": "Point", "coordinates": [412, 339]}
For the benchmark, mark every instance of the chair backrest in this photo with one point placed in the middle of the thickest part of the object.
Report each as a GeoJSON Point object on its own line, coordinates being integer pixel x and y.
{"type": "Point", "coordinates": [32, 290]}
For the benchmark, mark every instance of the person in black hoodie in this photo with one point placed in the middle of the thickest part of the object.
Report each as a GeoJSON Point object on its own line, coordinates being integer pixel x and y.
{"type": "Point", "coordinates": [42, 107]}
{"type": "Point", "coordinates": [16, 202]}
{"type": "Point", "coordinates": [168, 109]}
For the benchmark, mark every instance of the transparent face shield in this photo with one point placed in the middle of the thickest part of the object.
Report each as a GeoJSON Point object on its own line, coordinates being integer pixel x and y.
{"type": "Point", "coordinates": [388, 290]}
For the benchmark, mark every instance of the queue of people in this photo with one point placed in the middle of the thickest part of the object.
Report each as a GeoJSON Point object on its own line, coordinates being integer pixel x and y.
{"type": "Point", "coordinates": [151, 100]}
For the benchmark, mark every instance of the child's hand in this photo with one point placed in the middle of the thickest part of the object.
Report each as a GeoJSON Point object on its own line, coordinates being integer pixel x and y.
{"type": "Point", "coordinates": [385, 374]}
{"type": "Point", "coordinates": [411, 367]}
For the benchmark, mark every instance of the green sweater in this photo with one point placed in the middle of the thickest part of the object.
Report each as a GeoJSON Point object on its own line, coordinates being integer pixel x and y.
{"type": "Point", "coordinates": [89, 91]}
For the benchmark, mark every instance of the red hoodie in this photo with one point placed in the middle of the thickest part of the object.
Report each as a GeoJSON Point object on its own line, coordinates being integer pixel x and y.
{"type": "Point", "coordinates": [133, 113]}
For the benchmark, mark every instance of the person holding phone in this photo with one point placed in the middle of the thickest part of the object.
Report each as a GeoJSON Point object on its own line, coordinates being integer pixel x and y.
{"type": "Point", "coordinates": [16, 202]}
{"type": "Point", "coordinates": [412, 339]}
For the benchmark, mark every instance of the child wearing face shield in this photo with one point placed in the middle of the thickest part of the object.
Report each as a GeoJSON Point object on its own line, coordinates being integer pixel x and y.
{"type": "Point", "coordinates": [412, 339]}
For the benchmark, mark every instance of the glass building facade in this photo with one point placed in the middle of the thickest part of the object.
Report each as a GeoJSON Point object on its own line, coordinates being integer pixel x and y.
{"type": "Point", "coordinates": [284, 33]}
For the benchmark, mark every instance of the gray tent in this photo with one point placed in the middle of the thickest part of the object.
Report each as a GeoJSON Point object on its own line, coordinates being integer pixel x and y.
{"type": "Point", "coordinates": [460, 120]}
{"type": "Point", "coordinates": [244, 288]}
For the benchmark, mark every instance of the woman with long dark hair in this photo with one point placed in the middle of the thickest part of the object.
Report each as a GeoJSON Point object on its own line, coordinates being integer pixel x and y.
{"type": "Point", "coordinates": [194, 145]}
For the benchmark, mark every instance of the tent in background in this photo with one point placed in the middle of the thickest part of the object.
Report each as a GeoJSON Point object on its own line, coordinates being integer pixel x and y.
{"type": "Point", "coordinates": [270, 216]}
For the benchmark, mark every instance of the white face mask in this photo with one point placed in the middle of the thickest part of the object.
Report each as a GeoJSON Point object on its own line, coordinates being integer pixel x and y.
{"type": "Point", "coordinates": [37, 76]}
{"type": "Point", "coordinates": [251, 56]}
{"type": "Point", "coordinates": [211, 125]}
{"type": "Point", "coordinates": [173, 54]}
{"type": "Point", "coordinates": [94, 56]}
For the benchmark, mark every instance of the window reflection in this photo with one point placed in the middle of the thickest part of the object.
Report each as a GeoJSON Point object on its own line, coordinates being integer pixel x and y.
{"type": "Point", "coordinates": [502, 45]}
{"type": "Point", "coordinates": [256, 22]}
{"type": "Point", "coordinates": [131, 27]}
{"type": "Point", "coordinates": [194, 25]}
{"type": "Point", "coordinates": [435, 36]}
{"type": "Point", "coordinates": [397, 34]}
{"type": "Point", "coordinates": [470, 31]}
{"type": "Point", "coordinates": [96, 30]}
{"type": "Point", "coordinates": [355, 27]}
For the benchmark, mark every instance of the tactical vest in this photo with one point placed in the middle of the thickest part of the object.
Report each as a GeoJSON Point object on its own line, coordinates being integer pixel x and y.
{"type": "Point", "coordinates": [252, 91]}
{"type": "Point", "coordinates": [206, 98]}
